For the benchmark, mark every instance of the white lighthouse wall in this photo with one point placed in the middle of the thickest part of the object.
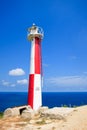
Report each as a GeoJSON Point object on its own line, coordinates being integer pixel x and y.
{"type": "Point", "coordinates": [37, 92]}
{"type": "Point", "coordinates": [32, 60]}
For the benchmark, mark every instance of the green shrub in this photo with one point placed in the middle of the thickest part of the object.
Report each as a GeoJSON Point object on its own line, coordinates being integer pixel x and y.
{"type": "Point", "coordinates": [1, 114]}
{"type": "Point", "coordinates": [65, 105]}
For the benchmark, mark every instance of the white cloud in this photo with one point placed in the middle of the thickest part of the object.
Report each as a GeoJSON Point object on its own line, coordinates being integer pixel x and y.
{"type": "Point", "coordinates": [13, 85]}
{"type": "Point", "coordinates": [5, 83]}
{"type": "Point", "coordinates": [22, 82]}
{"type": "Point", "coordinates": [85, 72]}
{"type": "Point", "coordinates": [68, 81]}
{"type": "Point", "coordinates": [17, 72]}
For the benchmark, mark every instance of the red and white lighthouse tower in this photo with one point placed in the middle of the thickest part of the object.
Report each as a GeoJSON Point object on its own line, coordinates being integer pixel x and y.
{"type": "Point", "coordinates": [35, 35]}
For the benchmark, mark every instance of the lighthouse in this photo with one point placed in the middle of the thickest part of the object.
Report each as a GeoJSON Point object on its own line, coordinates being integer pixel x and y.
{"type": "Point", "coordinates": [35, 36]}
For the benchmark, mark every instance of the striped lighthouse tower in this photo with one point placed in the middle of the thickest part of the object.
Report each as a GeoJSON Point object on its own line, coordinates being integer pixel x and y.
{"type": "Point", "coordinates": [35, 35]}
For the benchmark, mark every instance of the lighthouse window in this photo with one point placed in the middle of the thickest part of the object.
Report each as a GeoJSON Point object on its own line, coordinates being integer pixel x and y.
{"type": "Point", "coordinates": [37, 89]}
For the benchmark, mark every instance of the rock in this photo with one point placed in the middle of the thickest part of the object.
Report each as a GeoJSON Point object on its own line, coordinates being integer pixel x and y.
{"type": "Point", "coordinates": [42, 109]}
{"type": "Point", "coordinates": [16, 111]}
{"type": "Point", "coordinates": [57, 113]}
{"type": "Point", "coordinates": [28, 127]}
{"type": "Point", "coordinates": [52, 114]}
{"type": "Point", "coordinates": [28, 114]}
{"type": "Point", "coordinates": [32, 122]}
{"type": "Point", "coordinates": [11, 112]}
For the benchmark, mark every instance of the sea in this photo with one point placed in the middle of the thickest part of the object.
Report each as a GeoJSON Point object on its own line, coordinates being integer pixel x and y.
{"type": "Point", "coordinates": [50, 99]}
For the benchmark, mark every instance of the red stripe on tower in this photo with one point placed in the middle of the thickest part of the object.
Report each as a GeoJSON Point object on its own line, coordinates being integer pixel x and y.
{"type": "Point", "coordinates": [31, 90]}
{"type": "Point", "coordinates": [37, 55]}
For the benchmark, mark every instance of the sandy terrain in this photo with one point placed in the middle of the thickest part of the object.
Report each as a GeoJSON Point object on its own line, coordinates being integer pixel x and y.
{"type": "Point", "coordinates": [75, 120]}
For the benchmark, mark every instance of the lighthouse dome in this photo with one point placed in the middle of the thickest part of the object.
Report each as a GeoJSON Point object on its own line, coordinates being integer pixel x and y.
{"type": "Point", "coordinates": [35, 31]}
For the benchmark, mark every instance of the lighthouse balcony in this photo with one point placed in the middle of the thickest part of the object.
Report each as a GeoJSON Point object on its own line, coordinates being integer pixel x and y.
{"type": "Point", "coordinates": [33, 35]}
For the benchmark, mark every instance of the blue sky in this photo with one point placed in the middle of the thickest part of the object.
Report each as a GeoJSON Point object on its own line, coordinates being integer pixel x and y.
{"type": "Point", "coordinates": [64, 47]}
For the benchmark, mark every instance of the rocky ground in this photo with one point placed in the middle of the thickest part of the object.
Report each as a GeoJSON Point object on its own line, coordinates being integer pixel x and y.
{"type": "Point", "coordinates": [47, 119]}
